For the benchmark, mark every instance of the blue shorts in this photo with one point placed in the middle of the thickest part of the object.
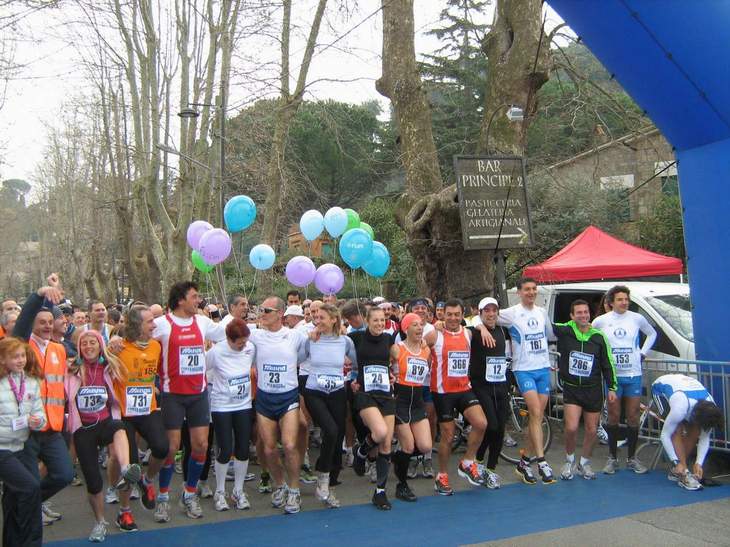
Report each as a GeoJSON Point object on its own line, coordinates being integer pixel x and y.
{"type": "Point", "coordinates": [534, 380]}
{"type": "Point", "coordinates": [274, 405]}
{"type": "Point", "coordinates": [628, 386]}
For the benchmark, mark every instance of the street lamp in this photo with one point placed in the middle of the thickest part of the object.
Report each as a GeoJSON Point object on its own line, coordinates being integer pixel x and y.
{"type": "Point", "coordinates": [514, 114]}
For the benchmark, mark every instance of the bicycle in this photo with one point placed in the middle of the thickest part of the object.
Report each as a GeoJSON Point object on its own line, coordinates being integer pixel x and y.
{"type": "Point", "coordinates": [652, 449]}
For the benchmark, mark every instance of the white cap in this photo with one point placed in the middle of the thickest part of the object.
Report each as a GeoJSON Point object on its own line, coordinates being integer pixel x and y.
{"type": "Point", "coordinates": [484, 302]}
{"type": "Point", "coordinates": [294, 310]}
{"type": "Point", "coordinates": [378, 300]}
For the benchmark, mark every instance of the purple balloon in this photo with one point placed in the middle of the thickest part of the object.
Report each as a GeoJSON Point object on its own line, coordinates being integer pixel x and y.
{"type": "Point", "coordinates": [215, 246]}
{"type": "Point", "coordinates": [300, 271]}
{"type": "Point", "coordinates": [196, 231]}
{"type": "Point", "coordinates": [329, 279]}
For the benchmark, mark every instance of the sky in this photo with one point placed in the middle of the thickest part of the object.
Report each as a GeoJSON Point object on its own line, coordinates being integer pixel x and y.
{"type": "Point", "coordinates": [52, 74]}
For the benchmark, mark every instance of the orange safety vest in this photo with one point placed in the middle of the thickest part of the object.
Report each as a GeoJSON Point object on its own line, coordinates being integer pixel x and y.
{"type": "Point", "coordinates": [53, 364]}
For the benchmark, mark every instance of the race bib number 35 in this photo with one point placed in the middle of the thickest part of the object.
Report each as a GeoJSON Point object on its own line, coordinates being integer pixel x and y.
{"type": "Point", "coordinates": [496, 369]}
{"type": "Point", "coordinates": [91, 399]}
{"type": "Point", "coordinates": [330, 382]}
{"type": "Point", "coordinates": [376, 378]}
{"type": "Point", "coordinates": [458, 364]}
{"type": "Point", "coordinates": [580, 364]}
{"type": "Point", "coordinates": [139, 400]}
{"type": "Point", "coordinates": [192, 360]}
{"type": "Point", "coordinates": [417, 370]}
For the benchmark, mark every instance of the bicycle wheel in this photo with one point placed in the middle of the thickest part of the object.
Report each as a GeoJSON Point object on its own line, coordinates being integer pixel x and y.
{"type": "Point", "coordinates": [516, 431]}
{"type": "Point", "coordinates": [651, 454]}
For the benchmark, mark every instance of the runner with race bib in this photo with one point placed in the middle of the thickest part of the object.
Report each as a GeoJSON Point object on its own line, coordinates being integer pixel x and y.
{"type": "Point", "coordinates": [326, 396]}
{"type": "Point", "coordinates": [623, 328]}
{"type": "Point", "coordinates": [374, 400]}
{"type": "Point", "coordinates": [488, 375]}
{"type": "Point", "coordinates": [585, 366]}
{"type": "Point", "coordinates": [411, 360]}
{"type": "Point", "coordinates": [140, 358]}
{"type": "Point", "coordinates": [229, 365]}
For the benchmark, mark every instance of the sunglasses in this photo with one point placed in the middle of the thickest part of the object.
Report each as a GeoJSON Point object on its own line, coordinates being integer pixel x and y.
{"type": "Point", "coordinates": [269, 310]}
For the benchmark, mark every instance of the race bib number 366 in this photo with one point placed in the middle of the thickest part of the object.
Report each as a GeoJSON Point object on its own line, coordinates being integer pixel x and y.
{"type": "Point", "coordinates": [192, 360]}
{"type": "Point", "coordinates": [458, 364]}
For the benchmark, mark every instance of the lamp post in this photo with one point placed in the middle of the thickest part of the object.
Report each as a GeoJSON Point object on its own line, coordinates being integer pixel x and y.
{"type": "Point", "coordinates": [514, 114]}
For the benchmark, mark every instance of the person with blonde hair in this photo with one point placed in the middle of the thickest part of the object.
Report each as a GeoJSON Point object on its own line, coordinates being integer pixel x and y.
{"type": "Point", "coordinates": [94, 420]}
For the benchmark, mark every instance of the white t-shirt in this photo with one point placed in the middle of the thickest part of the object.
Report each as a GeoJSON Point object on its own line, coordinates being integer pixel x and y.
{"type": "Point", "coordinates": [305, 329]}
{"type": "Point", "coordinates": [623, 332]}
{"type": "Point", "coordinates": [229, 376]}
{"type": "Point", "coordinates": [277, 355]}
{"type": "Point", "coordinates": [530, 330]}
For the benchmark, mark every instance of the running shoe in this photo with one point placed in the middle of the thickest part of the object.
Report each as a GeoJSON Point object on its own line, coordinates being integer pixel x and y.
{"type": "Point", "coordinates": [470, 473]}
{"type": "Point", "coordinates": [509, 441]}
{"type": "Point", "coordinates": [111, 496]}
{"type": "Point", "coordinates": [240, 501]}
{"type": "Point", "coordinates": [524, 471]}
{"type": "Point", "coordinates": [76, 481]}
{"type": "Point", "coordinates": [191, 505]}
{"type": "Point", "coordinates": [248, 477]}
{"type": "Point", "coordinates": [46, 520]}
{"type": "Point", "coordinates": [636, 466]}
{"type": "Point", "coordinates": [306, 475]}
{"type": "Point", "coordinates": [491, 479]}
{"type": "Point", "coordinates": [674, 477]}
{"type": "Point", "coordinates": [125, 522]}
{"type": "Point", "coordinates": [293, 503]}
{"type": "Point", "coordinates": [358, 462]}
{"type": "Point", "coordinates": [131, 476]}
{"type": "Point", "coordinates": [204, 490]}
{"type": "Point", "coordinates": [98, 532]}
{"type": "Point", "coordinates": [219, 501]}
{"type": "Point", "coordinates": [602, 434]}
{"type": "Point", "coordinates": [428, 468]}
{"type": "Point", "coordinates": [332, 502]}
{"type": "Point", "coordinates": [265, 483]}
{"type": "Point", "coordinates": [278, 498]}
{"type": "Point", "coordinates": [349, 457]}
{"type": "Point", "coordinates": [412, 468]}
{"type": "Point", "coordinates": [566, 472]}
{"type": "Point", "coordinates": [134, 493]}
{"type": "Point", "coordinates": [148, 494]}
{"type": "Point", "coordinates": [404, 492]}
{"type": "Point", "coordinates": [49, 512]}
{"type": "Point", "coordinates": [441, 485]}
{"type": "Point", "coordinates": [611, 466]}
{"type": "Point", "coordinates": [689, 482]}
{"type": "Point", "coordinates": [380, 500]}
{"type": "Point", "coordinates": [323, 486]}
{"type": "Point", "coordinates": [546, 472]}
{"type": "Point", "coordinates": [585, 470]}
{"type": "Point", "coordinates": [162, 511]}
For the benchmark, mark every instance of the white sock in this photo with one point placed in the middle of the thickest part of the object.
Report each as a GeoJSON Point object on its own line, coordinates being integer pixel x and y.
{"type": "Point", "coordinates": [220, 476]}
{"type": "Point", "coordinates": [427, 456]}
{"type": "Point", "coordinates": [239, 469]}
{"type": "Point", "coordinates": [306, 458]}
{"type": "Point", "coordinates": [584, 461]}
{"type": "Point", "coordinates": [570, 458]}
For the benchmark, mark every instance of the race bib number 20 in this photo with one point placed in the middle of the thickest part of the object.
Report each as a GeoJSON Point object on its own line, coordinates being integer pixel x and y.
{"type": "Point", "coordinates": [192, 360]}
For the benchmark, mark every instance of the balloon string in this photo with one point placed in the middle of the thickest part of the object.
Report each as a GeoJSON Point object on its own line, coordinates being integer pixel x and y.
{"type": "Point", "coordinates": [380, 284]}
{"type": "Point", "coordinates": [237, 262]}
{"type": "Point", "coordinates": [253, 285]}
{"type": "Point", "coordinates": [354, 284]}
{"type": "Point", "coordinates": [370, 292]}
{"type": "Point", "coordinates": [208, 290]}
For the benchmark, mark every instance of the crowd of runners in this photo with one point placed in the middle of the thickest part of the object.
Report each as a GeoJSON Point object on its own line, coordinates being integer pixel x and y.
{"type": "Point", "coordinates": [94, 391]}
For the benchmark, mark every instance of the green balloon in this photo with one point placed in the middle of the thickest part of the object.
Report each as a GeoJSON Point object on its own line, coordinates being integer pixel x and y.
{"type": "Point", "coordinates": [369, 229]}
{"type": "Point", "coordinates": [200, 264]}
{"type": "Point", "coordinates": [353, 219]}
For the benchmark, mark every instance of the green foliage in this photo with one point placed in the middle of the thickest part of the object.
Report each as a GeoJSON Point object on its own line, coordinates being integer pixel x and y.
{"type": "Point", "coordinates": [662, 231]}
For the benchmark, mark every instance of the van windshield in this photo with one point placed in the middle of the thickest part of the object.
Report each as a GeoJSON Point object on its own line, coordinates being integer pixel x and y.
{"type": "Point", "coordinates": [676, 310]}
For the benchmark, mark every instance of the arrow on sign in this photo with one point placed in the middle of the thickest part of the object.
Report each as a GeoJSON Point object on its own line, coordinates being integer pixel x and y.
{"type": "Point", "coordinates": [523, 236]}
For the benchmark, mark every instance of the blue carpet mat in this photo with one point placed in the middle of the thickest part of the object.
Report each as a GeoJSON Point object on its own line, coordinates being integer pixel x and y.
{"type": "Point", "coordinates": [467, 517]}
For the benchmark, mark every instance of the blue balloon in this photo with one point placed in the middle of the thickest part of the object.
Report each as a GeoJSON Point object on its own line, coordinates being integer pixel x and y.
{"type": "Point", "coordinates": [355, 247]}
{"type": "Point", "coordinates": [239, 213]}
{"type": "Point", "coordinates": [379, 261]}
{"type": "Point", "coordinates": [335, 221]}
{"type": "Point", "coordinates": [262, 257]}
{"type": "Point", "coordinates": [311, 224]}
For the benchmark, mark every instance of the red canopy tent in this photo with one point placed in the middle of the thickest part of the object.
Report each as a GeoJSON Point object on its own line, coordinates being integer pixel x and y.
{"type": "Point", "coordinates": [596, 255]}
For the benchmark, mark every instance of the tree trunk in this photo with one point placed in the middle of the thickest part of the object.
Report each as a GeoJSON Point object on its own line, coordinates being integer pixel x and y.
{"type": "Point", "coordinates": [429, 214]}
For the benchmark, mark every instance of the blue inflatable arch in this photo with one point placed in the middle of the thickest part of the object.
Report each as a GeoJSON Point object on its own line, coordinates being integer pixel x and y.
{"type": "Point", "coordinates": [673, 58]}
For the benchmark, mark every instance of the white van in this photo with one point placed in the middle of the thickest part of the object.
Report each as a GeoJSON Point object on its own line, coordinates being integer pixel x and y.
{"type": "Point", "coordinates": [665, 305]}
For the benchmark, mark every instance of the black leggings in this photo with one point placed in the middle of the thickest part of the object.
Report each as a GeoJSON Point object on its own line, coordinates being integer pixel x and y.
{"type": "Point", "coordinates": [361, 430]}
{"type": "Point", "coordinates": [232, 427]}
{"type": "Point", "coordinates": [152, 430]}
{"type": "Point", "coordinates": [328, 411]}
{"type": "Point", "coordinates": [494, 400]}
{"type": "Point", "coordinates": [88, 441]}
{"type": "Point", "coordinates": [187, 449]}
